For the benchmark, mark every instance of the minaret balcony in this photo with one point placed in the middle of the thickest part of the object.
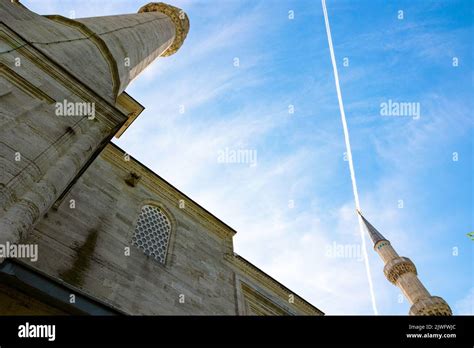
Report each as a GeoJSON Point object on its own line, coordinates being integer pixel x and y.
{"type": "Point", "coordinates": [432, 305]}
{"type": "Point", "coordinates": [395, 268]}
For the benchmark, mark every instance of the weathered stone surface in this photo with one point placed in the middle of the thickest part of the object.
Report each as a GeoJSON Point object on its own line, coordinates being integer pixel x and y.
{"type": "Point", "coordinates": [41, 152]}
{"type": "Point", "coordinates": [80, 209]}
{"type": "Point", "coordinates": [85, 247]}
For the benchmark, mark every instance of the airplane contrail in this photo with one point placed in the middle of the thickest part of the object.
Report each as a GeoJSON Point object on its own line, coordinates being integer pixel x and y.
{"type": "Point", "coordinates": [349, 157]}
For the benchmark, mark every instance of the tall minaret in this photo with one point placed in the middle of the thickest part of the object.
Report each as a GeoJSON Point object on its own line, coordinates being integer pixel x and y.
{"type": "Point", "coordinates": [401, 271]}
{"type": "Point", "coordinates": [50, 61]}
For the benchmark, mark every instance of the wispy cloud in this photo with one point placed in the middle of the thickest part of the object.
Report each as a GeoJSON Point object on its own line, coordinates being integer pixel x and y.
{"type": "Point", "coordinates": [296, 202]}
{"type": "Point", "coordinates": [465, 306]}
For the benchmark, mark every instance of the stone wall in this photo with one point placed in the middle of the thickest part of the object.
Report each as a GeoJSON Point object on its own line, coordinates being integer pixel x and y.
{"type": "Point", "coordinates": [81, 210]}
{"type": "Point", "coordinates": [41, 150]}
{"type": "Point", "coordinates": [85, 247]}
{"type": "Point", "coordinates": [84, 242]}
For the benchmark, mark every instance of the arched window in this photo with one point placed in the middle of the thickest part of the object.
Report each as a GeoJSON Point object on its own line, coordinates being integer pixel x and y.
{"type": "Point", "coordinates": [152, 232]}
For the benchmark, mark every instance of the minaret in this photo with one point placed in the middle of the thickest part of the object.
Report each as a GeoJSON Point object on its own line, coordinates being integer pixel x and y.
{"type": "Point", "coordinates": [401, 271]}
{"type": "Point", "coordinates": [49, 61]}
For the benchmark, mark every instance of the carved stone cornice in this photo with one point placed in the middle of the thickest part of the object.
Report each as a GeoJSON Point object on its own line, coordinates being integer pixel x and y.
{"type": "Point", "coordinates": [251, 271]}
{"type": "Point", "coordinates": [25, 85]}
{"type": "Point", "coordinates": [259, 304]}
{"type": "Point", "coordinates": [159, 186]}
{"type": "Point", "coordinates": [397, 267]}
{"type": "Point", "coordinates": [129, 106]}
{"type": "Point", "coordinates": [432, 305]}
{"type": "Point", "coordinates": [179, 18]}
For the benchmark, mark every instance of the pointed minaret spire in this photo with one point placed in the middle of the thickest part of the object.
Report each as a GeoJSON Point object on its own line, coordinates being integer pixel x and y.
{"type": "Point", "coordinates": [375, 235]}
{"type": "Point", "coordinates": [401, 271]}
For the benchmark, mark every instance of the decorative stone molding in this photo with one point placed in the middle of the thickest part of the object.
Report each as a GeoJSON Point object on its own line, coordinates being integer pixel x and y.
{"type": "Point", "coordinates": [432, 305]}
{"type": "Point", "coordinates": [129, 106]}
{"type": "Point", "coordinates": [396, 267]}
{"type": "Point", "coordinates": [259, 304]}
{"type": "Point", "coordinates": [179, 18]}
{"type": "Point", "coordinates": [25, 85]}
{"type": "Point", "coordinates": [155, 184]}
{"type": "Point", "coordinates": [249, 270]}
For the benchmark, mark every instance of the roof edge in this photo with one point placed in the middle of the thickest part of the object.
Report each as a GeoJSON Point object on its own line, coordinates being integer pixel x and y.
{"type": "Point", "coordinates": [257, 274]}
{"type": "Point", "coordinates": [153, 181]}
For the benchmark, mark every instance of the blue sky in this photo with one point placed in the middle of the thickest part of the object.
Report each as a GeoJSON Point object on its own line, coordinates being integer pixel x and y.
{"type": "Point", "coordinates": [297, 203]}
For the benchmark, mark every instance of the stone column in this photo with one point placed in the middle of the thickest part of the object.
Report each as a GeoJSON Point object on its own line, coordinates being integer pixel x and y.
{"type": "Point", "coordinates": [107, 52]}
{"type": "Point", "coordinates": [22, 215]}
{"type": "Point", "coordinates": [89, 60]}
{"type": "Point", "coordinates": [136, 40]}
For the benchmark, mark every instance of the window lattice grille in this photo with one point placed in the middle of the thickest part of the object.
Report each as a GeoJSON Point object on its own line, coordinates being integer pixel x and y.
{"type": "Point", "coordinates": [152, 233]}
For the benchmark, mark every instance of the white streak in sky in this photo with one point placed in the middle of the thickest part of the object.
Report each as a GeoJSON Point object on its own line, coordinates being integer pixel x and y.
{"type": "Point", "coordinates": [349, 156]}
